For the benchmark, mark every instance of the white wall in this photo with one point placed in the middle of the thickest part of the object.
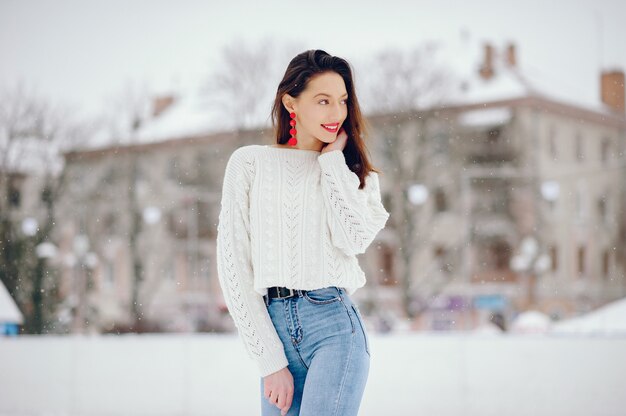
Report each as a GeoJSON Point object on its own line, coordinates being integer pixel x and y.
{"type": "Point", "coordinates": [418, 374]}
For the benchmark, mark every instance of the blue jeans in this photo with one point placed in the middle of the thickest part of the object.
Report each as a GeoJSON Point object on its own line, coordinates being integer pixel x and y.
{"type": "Point", "coordinates": [327, 347]}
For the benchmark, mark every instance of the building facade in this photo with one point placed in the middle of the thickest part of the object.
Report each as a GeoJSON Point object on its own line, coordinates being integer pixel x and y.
{"type": "Point", "coordinates": [498, 205]}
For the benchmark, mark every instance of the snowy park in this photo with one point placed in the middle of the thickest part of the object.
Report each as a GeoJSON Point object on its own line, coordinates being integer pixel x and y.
{"type": "Point", "coordinates": [155, 201]}
{"type": "Point", "coordinates": [572, 367]}
{"type": "Point", "coordinates": [411, 374]}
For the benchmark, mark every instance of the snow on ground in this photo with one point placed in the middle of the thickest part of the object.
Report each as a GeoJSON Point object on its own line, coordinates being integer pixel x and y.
{"type": "Point", "coordinates": [9, 312]}
{"type": "Point", "coordinates": [411, 374]}
{"type": "Point", "coordinates": [609, 319]}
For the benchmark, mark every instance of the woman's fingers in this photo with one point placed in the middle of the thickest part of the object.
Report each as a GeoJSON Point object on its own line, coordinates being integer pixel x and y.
{"type": "Point", "coordinates": [288, 400]}
{"type": "Point", "coordinates": [282, 400]}
{"type": "Point", "coordinates": [278, 390]}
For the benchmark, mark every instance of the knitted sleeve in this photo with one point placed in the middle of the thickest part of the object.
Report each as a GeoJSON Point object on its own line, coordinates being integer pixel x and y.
{"type": "Point", "coordinates": [355, 215]}
{"type": "Point", "coordinates": [235, 270]}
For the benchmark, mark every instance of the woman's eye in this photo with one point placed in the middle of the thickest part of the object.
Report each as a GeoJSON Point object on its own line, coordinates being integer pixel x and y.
{"type": "Point", "coordinates": [346, 101]}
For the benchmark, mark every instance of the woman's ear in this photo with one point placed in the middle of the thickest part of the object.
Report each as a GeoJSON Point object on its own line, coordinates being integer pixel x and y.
{"type": "Point", "coordinates": [288, 102]}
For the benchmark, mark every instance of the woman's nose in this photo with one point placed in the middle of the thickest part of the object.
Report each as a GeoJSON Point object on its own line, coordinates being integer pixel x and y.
{"type": "Point", "coordinates": [337, 112]}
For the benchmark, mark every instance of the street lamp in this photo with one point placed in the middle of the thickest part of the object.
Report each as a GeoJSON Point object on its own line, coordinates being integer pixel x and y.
{"type": "Point", "coordinates": [151, 215]}
{"type": "Point", "coordinates": [530, 261]}
{"type": "Point", "coordinates": [30, 226]}
{"type": "Point", "coordinates": [46, 250]}
{"type": "Point", "coordinates": [417, 194]}
{"type": "Point", "coordinates": [550, 190]}
{"type": "Point", "coordinates": [85, 260]}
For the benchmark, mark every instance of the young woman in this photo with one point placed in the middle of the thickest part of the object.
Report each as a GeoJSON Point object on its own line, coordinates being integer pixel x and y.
{"type": "Point", "coordinates": [293, 217]}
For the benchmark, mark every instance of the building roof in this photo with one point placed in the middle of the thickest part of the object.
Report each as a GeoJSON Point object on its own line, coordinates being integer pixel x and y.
{"type": "Point", "coordinates": [191, 115]}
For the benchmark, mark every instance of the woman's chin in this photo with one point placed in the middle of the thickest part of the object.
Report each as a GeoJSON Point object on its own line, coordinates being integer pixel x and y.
{"type": "Point", "coordinates": [327, 140]}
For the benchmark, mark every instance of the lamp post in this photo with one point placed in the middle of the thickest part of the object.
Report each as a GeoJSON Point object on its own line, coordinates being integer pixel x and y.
{"type": "Point", "coordinates": [417, 195]}
{"type": "Point", "coordinates": [550, 191]}
{"type": "Point", "coordinates": [85, 260]}
{"type": "Point", "coordinates": [530, 262]}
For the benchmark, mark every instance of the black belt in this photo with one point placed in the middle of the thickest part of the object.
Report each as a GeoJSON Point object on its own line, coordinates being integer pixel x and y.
{"type": "Point", "coordinates": [281, 292]}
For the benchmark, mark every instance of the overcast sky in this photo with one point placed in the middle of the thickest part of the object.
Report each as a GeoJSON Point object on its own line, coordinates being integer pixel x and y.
{"type": "Point", "coordinates": [79, 52]}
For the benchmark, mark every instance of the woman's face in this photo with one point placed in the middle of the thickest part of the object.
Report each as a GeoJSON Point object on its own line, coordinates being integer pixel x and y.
{"type": "Point", "coordinates": [324, 102]}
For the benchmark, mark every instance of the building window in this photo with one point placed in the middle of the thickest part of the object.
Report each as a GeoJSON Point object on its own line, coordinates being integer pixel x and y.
{"type": "Point", "coordinates": [581, 201]}
{"type": "Point", "coordinates": [205, 267]}
{"type": "Point", "coordinates": [173, 168]}
{"type": "Point", "coordinates": [47, 194]}
{"type": "Point", "coordinates": [581, 260]}
{"type": "Point", "coordinates": [501, 252]}
{"type": "Point", "coordinates": [552, 143]}
{"type": "Point", "coordinates": [170, 268]}
{"type": "Point", "coordinates": [579, 148]}
{"type": "Point", "coordinates": [109, 224]}
{"type": "Point", "coordinates": [441, 203]}
{"type": "Point", "coordinates": [192, 219]}
{"type": "Point", "coordinates": [443, 259]}
{"type": "Point", "coordinates": [387, 270]}
{"type": "Point", "coordinates": [554, 257]}
{"type": "Point", "coordinates": [602, 209]}
{"type": "Point", "coordinates": [440, 143]}
{"type": "Point", "coordinates": [605, 149]}
{"type": "Point", "coordinates": [140, 176]}
{"type": "Point", "coordinates": [112, 175]}
{"type": "Point", "coordinates": [109, 274]}
{"type": "Point", "coordinates": [493, 136]}
{"type": "Point", "coordinates": [606, 262]}
{"type": "Point", "coordinates": [15, 195]}
{"type": "Point", "coordinates": [205, 219]}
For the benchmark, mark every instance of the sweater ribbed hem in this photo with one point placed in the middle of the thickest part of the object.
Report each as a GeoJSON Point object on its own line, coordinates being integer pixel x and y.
{"type": "Point", "coordinates": [329, 159]}
{"type": "Point", "coordinates": [272, 363]}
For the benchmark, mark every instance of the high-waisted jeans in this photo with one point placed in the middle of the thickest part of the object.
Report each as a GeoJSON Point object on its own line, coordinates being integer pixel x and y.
{"type": "Point", "coordinates": [327, 346]}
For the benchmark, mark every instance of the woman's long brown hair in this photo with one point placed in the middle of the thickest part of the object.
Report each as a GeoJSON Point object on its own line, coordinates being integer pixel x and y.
{"type": "Point", "coordinates": [299, 72]}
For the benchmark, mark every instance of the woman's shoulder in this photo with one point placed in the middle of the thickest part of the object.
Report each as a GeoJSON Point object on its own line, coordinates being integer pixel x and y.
{"type": "Point", "coordinates": [247, 152]}
{"type": "Point", "coordinates": [245, 158]}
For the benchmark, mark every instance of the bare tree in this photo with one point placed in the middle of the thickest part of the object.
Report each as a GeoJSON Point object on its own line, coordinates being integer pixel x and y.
{"type": "Point", "coordinates": [243, 82]}
{"type": "Point", "coordinates": [399, 87]}
{"type": "Point", "coordinates": [32, 134]}
{"type": "Point", "coordinates": [131, 109]}
{"type": "Point", "coordinates": [126, 111]}
{"type": "Point", "coordinates": [401, 81]}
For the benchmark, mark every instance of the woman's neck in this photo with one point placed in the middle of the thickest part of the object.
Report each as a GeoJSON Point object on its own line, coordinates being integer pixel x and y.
{"type": "Point", "coordinates": [282, 146]}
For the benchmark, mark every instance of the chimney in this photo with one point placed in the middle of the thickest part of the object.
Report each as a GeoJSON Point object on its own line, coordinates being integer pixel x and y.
{"type": "Point", "coordinates": [486, 70]}
{"type": "Point", "coordinates": [510, 55]}
{"type": "Point", "coordinates": [612, 89]}
{"type": "Point", "coordinates": [159, 104]}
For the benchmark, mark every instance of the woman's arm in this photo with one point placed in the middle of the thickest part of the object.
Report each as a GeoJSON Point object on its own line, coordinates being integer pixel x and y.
{"type": "Point", "coordinates": [234, 266]}
{"type": "Point", "coordinates": [355, 215]}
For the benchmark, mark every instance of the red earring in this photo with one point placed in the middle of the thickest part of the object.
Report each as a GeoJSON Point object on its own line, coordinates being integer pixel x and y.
{"type": "Point", "coordinates": [292, 141]}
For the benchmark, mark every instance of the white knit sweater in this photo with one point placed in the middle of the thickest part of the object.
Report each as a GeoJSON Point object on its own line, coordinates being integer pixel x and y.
{"type": "Point", "coordinates": [293, 218]}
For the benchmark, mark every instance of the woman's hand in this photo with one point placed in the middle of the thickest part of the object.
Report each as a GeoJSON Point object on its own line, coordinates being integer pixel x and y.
{"type": "Point", "coordinates": [338, 144]}
{"type": "Point", "coordinates": [278, 389]}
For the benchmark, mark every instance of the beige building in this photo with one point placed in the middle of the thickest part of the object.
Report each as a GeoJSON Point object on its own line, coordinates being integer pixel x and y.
{"type": "Point", "coordinates": [171, 208]}
{"type": "Point", "coordinates": [520, 201]}
{"type": "Point", "coordinates": [509, 200]}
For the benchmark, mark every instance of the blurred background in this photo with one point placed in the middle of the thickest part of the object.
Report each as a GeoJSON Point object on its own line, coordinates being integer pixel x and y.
{"type": "Point", "coordinates": [500, 129]}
